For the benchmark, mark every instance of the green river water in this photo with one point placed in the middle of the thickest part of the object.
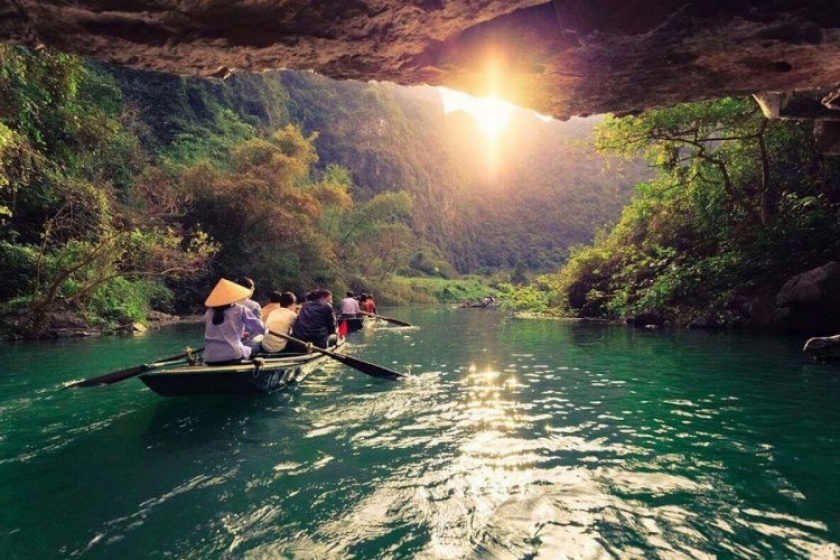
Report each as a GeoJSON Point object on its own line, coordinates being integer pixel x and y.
{"type": "Point", "coordinates": [514, 439]}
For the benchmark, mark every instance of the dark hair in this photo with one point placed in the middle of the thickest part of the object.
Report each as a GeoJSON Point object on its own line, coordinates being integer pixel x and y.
{"type": "Point", "coordinates": [275, 297]}
{"type": "Point", "coordinates": [310, 295]}
{"type": "Point", "coordinates": [247, 282]}
{"type": "Point", "coordinates": [350, 294]}
{"type": "Point", "coordinates": [321, 293]}
{"type": "Point", "coordinates": [363, 297]}
{"type": "Point", "coordinates": [287, 299]}
{"type": "Point", "coordinates": [219, 314]}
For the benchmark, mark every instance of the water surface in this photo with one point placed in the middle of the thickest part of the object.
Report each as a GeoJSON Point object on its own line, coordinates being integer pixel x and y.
{"type": "Point", "coordinates": [514, 439]}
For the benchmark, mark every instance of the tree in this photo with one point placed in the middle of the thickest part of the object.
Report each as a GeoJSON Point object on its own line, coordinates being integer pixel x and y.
{"type": "Point", "coordinates": [70, 221]}
{"type": "Point", "coordinates": [729, 216]}
{"type": "Point", "coordinates": [722, 143]}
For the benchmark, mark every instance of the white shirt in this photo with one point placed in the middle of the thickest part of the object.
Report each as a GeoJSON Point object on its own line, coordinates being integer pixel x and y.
{"type": "Point", "coordinates": [279, 320]}
{"type": "Point", "coordinates": [349, 306]}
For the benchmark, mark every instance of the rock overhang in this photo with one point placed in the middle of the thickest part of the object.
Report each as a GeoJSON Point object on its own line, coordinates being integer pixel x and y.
{"type": "Point", "coordinates": [562, 58]}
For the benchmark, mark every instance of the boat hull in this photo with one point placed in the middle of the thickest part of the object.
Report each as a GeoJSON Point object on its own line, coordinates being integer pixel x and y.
{"type": "Point", "coordinates": [355, 323]}
{"type": "Point", "coordinates": [261, 376]}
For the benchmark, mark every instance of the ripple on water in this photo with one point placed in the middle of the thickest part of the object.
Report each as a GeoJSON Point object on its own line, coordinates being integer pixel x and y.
{"type": "Point", "coordinates": [512, 440]}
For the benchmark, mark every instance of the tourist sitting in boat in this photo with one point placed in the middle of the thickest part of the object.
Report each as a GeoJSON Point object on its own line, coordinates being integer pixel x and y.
{"type": "Point", "coordinates": [279, 320]}
{"type": "Point", "coordinates": [226, 323]}
{"type": "Point", "coordinates": [251, 338]}
{"type": "Point", "coordinates": [349, 308]}
{"type": "Point", "coordinates": [274, 298]}
{"type": "Point", "coordinates": [251, 304]}
{"type": "Point", "coordinates": [315, 322]}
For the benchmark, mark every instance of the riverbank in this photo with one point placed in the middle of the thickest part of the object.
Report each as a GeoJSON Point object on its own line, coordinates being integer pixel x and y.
{"type": "Point", "coordinates": [65, 324]}
{"type": "Point", "coordinates": [528, 315]}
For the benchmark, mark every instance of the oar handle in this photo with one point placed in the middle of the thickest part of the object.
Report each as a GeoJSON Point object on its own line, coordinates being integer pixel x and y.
{"type": "Point", "coordinates": [308, 345]}
{"type": "Point", "coordinates": [128, 373]}
{"type": "Point", "coordinates": [368, 368]}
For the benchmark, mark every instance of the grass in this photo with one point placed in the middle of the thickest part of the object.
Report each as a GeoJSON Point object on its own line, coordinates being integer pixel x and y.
{"type": "Point", "coordinates": [435, 290]}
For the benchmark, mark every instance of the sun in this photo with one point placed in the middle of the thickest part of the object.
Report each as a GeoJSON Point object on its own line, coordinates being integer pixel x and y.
{"type": "Point", "coordinates": [490, 113]}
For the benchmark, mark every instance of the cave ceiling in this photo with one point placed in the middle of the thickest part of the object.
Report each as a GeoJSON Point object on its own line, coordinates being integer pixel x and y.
{"type": "Point", "coordinates": [562, 58]}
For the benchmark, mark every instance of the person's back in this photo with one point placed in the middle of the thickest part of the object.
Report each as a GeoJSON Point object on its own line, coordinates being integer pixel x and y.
{"type": "Point", "coordinates": [249, 303]}
{"type": "Point", "coordinates": [273, 303]}
{"type": "Point", "coordinates": [349, 306]}
{"type": "Point", "coordinates": [315, 322]}
{"type": "Point", "coordinates": [225, 323]}
{"type": "Point", "coordinates": [279, 321]}
{"type": "Point", "coordinates": [368, 306]}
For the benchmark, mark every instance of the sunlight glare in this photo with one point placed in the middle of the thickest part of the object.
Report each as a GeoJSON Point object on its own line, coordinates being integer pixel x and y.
{"type": "Point", "coordinates": [490, 113]}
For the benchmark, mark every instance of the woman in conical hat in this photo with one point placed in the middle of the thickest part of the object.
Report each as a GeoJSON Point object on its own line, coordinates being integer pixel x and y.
{"type": "Point", "coordinates": [226, 322]}
{"type": "Point", "coordinates": [227, 292]}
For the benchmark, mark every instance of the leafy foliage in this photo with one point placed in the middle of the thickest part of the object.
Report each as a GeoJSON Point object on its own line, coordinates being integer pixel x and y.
{"type": "Point", "coordinates": [68, 152]}
{"type": "Point", "coordinates": [117, 186]}
{"type": "Point", "coordinates": [740, 205]}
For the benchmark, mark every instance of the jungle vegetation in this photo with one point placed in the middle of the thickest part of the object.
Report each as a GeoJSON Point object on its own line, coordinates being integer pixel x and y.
{"type": "Point", "coordinates": [123, 191]}
{"type": "Point", "coordinates": [739, 204]}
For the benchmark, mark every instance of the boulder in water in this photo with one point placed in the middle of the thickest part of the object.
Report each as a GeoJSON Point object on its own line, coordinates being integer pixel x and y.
{"type": "Point", "coordinates": [810, 302]}
{"type": "Point", "coordinates": [824, 348]}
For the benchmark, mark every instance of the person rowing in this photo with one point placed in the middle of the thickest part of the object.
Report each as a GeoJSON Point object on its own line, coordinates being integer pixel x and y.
{"type": "Point", "coordinates": [226, 323]}
{"type": "Point", "coordinates": [315, 322]}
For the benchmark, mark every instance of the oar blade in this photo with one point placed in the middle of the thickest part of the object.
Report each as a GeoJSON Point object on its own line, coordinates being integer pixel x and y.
{"type": "Point", "coordinates": [109, 378]}
{"type": "Point", "coordinates": [396, 321]}
{"type": "Point", "coordinates": [365, 367]}
{"type": "Point", "coordinates": [389, 320]}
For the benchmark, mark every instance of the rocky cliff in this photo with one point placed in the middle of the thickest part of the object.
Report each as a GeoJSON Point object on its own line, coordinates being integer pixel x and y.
{"type": "Point", "coordinates": [563, 58]}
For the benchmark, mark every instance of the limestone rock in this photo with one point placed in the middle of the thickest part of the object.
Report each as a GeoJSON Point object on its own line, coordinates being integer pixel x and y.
{"type": "Point", "coordinates": [824, 349]}
{"type": "Point", "coordinates": [810, 302]}
{"type": "Point", "coordinates": [157, 319]}
{"type": "Point", "coordinates": [760, 313]}
{"type": "Point", "coordinates": [562, 58]}
{"type": "Point", "coordinates": [646, 320]}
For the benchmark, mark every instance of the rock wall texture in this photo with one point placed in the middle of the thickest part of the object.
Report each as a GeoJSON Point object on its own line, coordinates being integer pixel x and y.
{"type": "Point", "coordinates": [563, 58]}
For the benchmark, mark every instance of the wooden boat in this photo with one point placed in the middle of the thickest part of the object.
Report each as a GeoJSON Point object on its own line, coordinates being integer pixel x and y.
{"type": "Point", "coordinates": [354, 323]}
{"type": "Point", "coordinates": [184, 374]}
{"type": "Point", "coordinates": [256, 376]}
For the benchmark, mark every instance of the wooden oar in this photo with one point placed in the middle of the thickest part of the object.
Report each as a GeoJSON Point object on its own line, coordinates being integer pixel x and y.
{"type": "Point", "coordinates": [388, 319]}
{"type": "Point", "coordinates": [128, 373]}
{"type": "Point", "coordinates": [355, 363]}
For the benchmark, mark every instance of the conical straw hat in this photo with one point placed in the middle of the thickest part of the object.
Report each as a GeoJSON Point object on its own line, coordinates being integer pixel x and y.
{"type": "Point", "coordinates": [227, 292]}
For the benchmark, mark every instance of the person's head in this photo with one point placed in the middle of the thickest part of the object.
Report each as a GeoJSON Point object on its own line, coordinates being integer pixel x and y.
{"type": "Point", "coordinates": [349, 294]}
{"type": "Point", "coordinates": [363, 297]}
{"type": "Point", "coordinates": [223, 295]}
{"type": "Point", "coordinates": [310, 295]}
{"type": "Point", "coordinates": [323, 294]}
{"type": "Point", "coordinates": [287, 299]}
{"type": "Point", "coordinates": [275, 297]}
{"type": "Point", "coordinates": [247, 282]}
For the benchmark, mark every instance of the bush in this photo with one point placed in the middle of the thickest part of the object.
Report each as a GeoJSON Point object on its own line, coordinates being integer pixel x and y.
{"type": "Point", "coordinates": [121, 300]}
{"type": "Point", "coordinates": [18, 263]}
